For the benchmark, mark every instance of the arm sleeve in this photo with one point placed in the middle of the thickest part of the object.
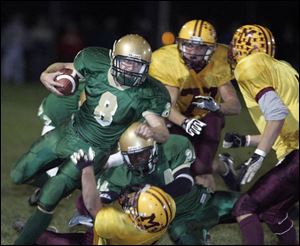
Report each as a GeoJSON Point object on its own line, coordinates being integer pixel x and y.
{"type": "Point", "coordinates": [182, 156]}
{"type": "Point", "coordinates": [179, 186]}
{"type": "Point", "coordinates": [272, 106]}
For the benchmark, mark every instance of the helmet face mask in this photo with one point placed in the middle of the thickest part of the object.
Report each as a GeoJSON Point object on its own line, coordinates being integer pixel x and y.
{"type": "Point", "coordinates": [196, 43]}
{"type": "Point", "coordinates": [131, 56]}
{"type": "Point", "coordinates": [195, 54]}
{"type": "Point", "coordinates": [139, 154]}
{"type": "Point", "coordinates": [129, 71]}
{"type": "Point", "coordinates": [141, 162]}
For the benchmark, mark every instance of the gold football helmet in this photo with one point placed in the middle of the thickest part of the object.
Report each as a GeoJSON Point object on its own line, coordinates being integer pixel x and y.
{"type": "Point", "coordinates": [249, 39]}
{"type": "Point", "coordinates": [131, 56]}
{"type": "Point", "coordinates": [196, 43]}
{"type": "Point", "coordinates": [139, 154]}
{"type": "Point", "coordinates": [150, 209]}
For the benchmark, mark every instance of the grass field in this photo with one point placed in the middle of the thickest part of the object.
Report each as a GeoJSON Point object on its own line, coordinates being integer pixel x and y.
{"type": "Point", "coordinates": [20, 128]}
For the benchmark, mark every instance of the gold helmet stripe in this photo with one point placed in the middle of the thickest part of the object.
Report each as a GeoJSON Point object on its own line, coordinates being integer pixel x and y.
{"type": "Point", "coordinates": [166, 201]}
{"type": "Point", "coordinates": [200, 28]}
{"type": "Point", "coordinates": [266, 38]}
{"type": "Point", "coordinates": [162, 205]}
{"type": "Point", "coordinates": [195, 27]}
{"type": "Point", "coordinates": [272, 43]}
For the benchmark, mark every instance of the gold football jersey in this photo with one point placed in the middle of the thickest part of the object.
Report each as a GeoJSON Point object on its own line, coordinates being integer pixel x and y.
{"type": "Point", "coordinates": [168, 67]}
{"type": "Point", "coordinates": [114, 227]}
{"type": "Point", "coordinates": [260, 71]}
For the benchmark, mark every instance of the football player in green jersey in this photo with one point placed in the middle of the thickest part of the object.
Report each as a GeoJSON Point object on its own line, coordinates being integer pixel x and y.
{"type": "Point", "coordinates": [55, 110]}
{"type": "Point", "coordinates": [118, 92]}
{"type": "Point", "coordinates": [164, 165]}
{"type": "Point", "coordinates": [168, 167]}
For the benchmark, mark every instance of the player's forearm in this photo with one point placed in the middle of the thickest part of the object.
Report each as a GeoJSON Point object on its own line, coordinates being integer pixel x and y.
{"type": "Point", "coordinates": [270, 134]}
{"type": "Point", "coordinates": [176, 117]}
{"type": "Point", "coordinates": [58, 66]}
{"type": "Point", "coordinates": [231, 107]}
{"type": "Point", "coordinates": [89, 191]}
{"type": "Point", "coordinates": [254, 140]}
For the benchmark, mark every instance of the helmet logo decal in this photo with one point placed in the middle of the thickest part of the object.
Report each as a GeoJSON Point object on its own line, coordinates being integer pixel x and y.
{"type": "Point", "coordinates": [136, 56]}
{"type": "Point", "coordinates": [150, 223]}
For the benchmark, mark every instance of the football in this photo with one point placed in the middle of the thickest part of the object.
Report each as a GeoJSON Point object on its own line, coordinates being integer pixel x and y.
{"type": "Point", "coordinates": [69, 80]}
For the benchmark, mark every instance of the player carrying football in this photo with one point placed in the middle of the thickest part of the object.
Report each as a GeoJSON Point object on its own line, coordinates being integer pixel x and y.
{"type": "Point", "coordinates": [118, 92]}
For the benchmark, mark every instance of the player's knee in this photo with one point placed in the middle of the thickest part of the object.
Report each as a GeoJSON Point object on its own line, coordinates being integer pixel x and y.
{"type": "Point", "coordinates": [53, 191]}
{"type": "Point", "coordinates": [244, 206]}
{"type": "Point", "coordinates": [17, 175]}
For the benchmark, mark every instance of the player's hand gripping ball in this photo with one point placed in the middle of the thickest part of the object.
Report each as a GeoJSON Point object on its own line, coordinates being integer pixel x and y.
{"type": "Point", "coordinates": [69, 80]}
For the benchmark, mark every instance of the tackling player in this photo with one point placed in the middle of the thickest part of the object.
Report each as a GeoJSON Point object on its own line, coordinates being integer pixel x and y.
{"type": "Point", "coordinates": [197, 76]}
{"type": "Point", "coordinates": [118, 92]}
{"type": "Point", "coordinates": [166, 166]}
{"type": "Point", "coordinates": [270, 88]}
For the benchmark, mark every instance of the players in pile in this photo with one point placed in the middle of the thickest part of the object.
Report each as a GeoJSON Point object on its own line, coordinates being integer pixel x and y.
{"type": "Point", "coordinates": [164, 165]}
{"type": "Point", "coordinates": [118, 92]}
{"type": "Point", "coordinates": [270, 88]}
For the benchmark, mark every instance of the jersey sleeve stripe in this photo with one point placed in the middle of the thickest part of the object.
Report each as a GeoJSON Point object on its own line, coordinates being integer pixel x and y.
{"type": "Point", "coordinates": [262, 92]}
{"type": "Point", "coordinates": [184, 165]}
{"type": "Point", "coordinates": [187, 177]}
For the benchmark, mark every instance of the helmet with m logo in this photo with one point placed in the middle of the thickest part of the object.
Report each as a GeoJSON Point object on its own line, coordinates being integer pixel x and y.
{"type": "Point", "coordinates": [151, 209]}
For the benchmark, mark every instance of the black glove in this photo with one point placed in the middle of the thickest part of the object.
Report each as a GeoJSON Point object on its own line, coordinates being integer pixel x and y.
{"type": "Point", "coordinates": [249, 168]}
{"type": "Point", "coordinates": [82, 160]}
{"type": "Point", "coordinates": [234, 140]}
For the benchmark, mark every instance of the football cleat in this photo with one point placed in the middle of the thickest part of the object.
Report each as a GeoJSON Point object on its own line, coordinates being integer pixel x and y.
{"type": "Point", "coordinates": [80, 223]}
{"type": "Point", "coordinates": [230, 177]}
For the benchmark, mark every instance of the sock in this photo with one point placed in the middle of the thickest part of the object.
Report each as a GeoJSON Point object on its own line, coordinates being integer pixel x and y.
{"type": "Point", "coordinates": [252, 231]}
{"type": "Point", "coordinates": [33, 228]}
{"type": "Point", "coordinates": [285, 232]}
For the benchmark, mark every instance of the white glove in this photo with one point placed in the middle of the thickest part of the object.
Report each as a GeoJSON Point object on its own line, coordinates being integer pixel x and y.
{"type": "Point", "coordinates": [193, 126]}
{"type": "Point", "coordinates": [250, 167]}
{"type": "Point", "coordinates": [82, 160]}
{"type": "Point", "coordinates": [207, 103]}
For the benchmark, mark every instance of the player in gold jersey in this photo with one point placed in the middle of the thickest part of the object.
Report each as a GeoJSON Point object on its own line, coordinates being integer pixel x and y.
{"type": "Point", "coordinates": [271, 91]}
{"type": "Point", "coordinates": [140, 216]}
{"type": "Point", "coordinates": [197, 76]}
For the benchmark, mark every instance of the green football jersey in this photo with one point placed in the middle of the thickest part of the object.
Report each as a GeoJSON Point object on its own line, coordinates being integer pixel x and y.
{"type": "Point", "coordinates": [174, 159]}
{"type": "Point", "coordinates": [108, 110]}
{"type": "Point", "coordinates": [54, 110]}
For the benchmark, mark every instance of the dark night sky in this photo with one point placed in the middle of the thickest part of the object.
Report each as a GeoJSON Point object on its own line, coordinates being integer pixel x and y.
{"type": "Point", "coordinates": [282, 17]}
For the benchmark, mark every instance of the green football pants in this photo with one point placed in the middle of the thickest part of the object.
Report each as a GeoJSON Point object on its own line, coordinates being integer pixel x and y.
{"type": "Point", "coordinates": [60, 143]}
{"type": "Point", "coordinates": [192, 228]}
